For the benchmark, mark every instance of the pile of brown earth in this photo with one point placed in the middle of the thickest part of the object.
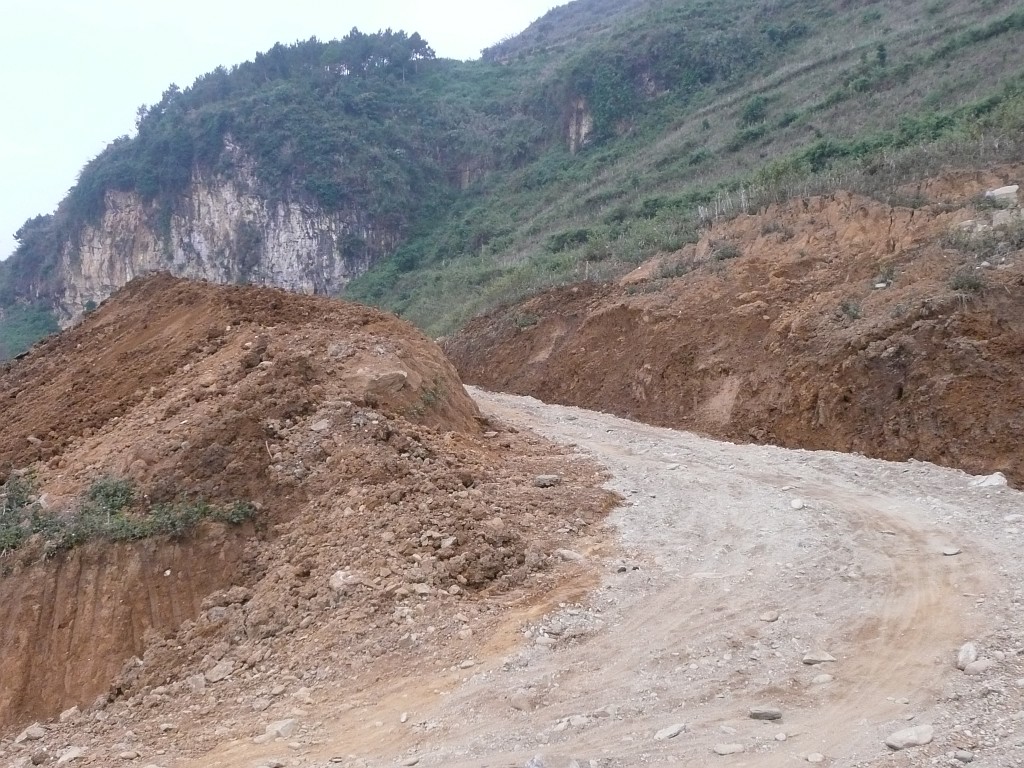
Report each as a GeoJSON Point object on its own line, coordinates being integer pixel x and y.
{"type": "Point", "coordinates": [826, 323]}
{"type": "Point", "coordinates": [383, 511]}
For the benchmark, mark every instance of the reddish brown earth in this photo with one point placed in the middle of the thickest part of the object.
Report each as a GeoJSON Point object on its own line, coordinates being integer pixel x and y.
{"type": "Point", "coordinates": [790, 342]}
{"type": "Point", "coordinates": [345, 427]}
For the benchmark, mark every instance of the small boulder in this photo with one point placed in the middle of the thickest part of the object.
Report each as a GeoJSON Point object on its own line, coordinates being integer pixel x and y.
{"type": "Point", "coordinates": [546, 481]}
{"type": "Point", "coordinates": [1006, 195]}
{"type": "Point", "coordinates": [33, 733]}
{"type": "Point", "coordinates": [967, 655]}
{"type": "Point", "coordinates": [818, 657]}
{"type": "Point", "coordinates": [979, 667]}
{"type": "Point", "coordinates": [670, 732]}
{"type": "Point", "coordinates": [765, 713]}
{"type": "Point", "coordinates": [282, 729]}
{"type": "Point", "coordinates": [995, 480]}
{"type": "Point", "coordinates": [219, 672]}
{"type": "Point", "coordinates": [911, 737]}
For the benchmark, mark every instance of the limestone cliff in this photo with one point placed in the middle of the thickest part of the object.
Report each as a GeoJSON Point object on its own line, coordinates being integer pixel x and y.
{"type": "Point", "coordinates": [223, 231]}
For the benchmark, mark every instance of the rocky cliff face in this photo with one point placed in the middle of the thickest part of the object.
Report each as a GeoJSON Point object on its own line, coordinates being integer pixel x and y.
{"type": "Point", "coordinates": [223, 231]}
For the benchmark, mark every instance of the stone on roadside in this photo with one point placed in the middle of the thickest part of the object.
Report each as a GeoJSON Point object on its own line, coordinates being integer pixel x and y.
{"type": "Point", "coordinates": [968, 654]}
{"type": "Point", "coordinates": [728, 749]}
{"type": "Point", "coordinates": [670, 732]}
{"type": "Point", "coordinates": [765, 713]}
{"type": "Point", "coordinates": [979, 667]}
{"type": "Point", "coordinates": [822, 679]}
{"type": "Point", "coordinates": [964, 756]}
{"type": "Point", "coordinates": [70, 715]}
{"type": "Point", "coordinates": [282, 729]}
{"type": "Point", "coordinates": [797, 504]}
{"type": "Point", "coordinates": [815, 757]}
{"type": "Point", "coordinates": [818, 657]}
{"type": "Point", "coordinates": [769, 617]}
{"type": "Point", "coordinates": [911, 737]}
{"type": "Point", "coordinates": [546, 481]}
{"type": "Point", "coordinates": [523, 701]}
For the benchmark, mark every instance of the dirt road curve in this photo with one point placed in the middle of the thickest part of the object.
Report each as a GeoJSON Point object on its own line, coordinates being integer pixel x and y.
{"type": "Point", "coordinates": [724, 567]}
{"type": "Point", "coordinates": [712, 545]}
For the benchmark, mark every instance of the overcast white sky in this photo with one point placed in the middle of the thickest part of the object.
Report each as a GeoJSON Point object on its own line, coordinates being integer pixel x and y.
{"type": "Point", "coordinates": [72, 72]}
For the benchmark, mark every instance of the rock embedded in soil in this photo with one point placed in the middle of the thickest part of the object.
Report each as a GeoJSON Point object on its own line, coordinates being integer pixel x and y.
{"type": "Point", "coordinates": [979, 667]}
{"type": "Point", "coordinates": [670, 732]}
{"type": "Point", "coordinates": [968, 654]}
{"type": "Point", "coordinates": [911, 737]}
{"type": "Point", "coordinates": [765, 713]}
{"type": "Point", "coordinates": [818, 657]}
{"type": "Point", "coordinates": [546, 481]}
{"type": "Point", "coordinates": [815, 757]}
{"type": "Point", "coordinates": [964, 756]}
{"type": "Point", "coordinates": [70, 754]}
{"type": "Point", "coordinates": [728, 749]}
{"type": "Point", "coordinates": [822, 679]}
{"type": "Point", "coordinates": [769, 617]}
{"type": "Point", "coordinates": [33, 733]}
{"type": "Point", "coordinates": [220, 672]}
{"type": "Point", "coordinates": [282, 729]}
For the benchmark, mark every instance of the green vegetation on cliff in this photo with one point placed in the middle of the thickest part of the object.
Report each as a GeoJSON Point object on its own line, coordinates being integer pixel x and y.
{"type": "Point", "coordinates": [604, 133]}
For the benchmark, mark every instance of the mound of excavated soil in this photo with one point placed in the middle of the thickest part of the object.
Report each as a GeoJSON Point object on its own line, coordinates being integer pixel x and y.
{"type": "Point", "coordinates": [827, 323]}
{"type": "Point", "coordinates": [381, 502]}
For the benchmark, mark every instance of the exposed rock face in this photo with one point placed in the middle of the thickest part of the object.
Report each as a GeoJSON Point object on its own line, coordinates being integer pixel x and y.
{"type": "Point", "coordinates": [224, 231]}
{"type": "Point", "coordinates": [581, 125]}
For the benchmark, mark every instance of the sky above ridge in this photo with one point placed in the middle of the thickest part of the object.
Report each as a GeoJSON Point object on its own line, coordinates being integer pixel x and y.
{"type": "Point", "coordinates": [73, 73]}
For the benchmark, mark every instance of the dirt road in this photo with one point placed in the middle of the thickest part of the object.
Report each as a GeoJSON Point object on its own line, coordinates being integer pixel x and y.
{"type": "Point", "coordinates": [732, 563]}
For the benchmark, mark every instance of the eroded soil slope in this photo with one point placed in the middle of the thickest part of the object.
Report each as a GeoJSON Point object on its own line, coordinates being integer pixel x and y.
{"type": "Point", "coordinates": [826, 323]}
{"type": "Point", "coordinates": [379, 494]}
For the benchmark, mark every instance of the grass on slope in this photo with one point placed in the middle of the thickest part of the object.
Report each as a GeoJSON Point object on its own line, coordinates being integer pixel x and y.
{"type": "Point", "coordinates": [870, 97]}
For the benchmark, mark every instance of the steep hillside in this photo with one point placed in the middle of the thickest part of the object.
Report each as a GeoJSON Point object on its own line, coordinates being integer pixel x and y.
{"type": "Point", "coordinates": [188, 471]}
{"type": "Point", "coordinates": [833, 322]}
{"type": "Point", "coordinates": [603, 134]}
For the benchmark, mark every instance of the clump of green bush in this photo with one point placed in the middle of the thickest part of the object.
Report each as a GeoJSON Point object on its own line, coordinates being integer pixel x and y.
{"type": "Point", "coordinates": [108, 510]}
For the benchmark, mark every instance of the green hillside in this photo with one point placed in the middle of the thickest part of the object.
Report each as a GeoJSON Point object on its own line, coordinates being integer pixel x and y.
{"type": "Point", "coordinates": [597, 137]}
{"type": "Point", "coordinates": [712, 106]}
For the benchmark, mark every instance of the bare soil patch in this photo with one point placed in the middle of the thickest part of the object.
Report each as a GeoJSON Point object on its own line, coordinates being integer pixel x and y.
{"type": "Point", "coordinates": [834, 323]}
